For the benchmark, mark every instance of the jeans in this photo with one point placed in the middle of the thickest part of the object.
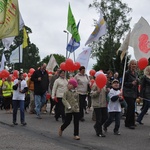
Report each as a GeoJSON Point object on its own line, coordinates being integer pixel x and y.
{"type": "Point", "coordinates": [39, 102]}
{"type": "Point", "coordinates": [112, 116]}
{"type": "Point", "coordinates": [144, 110]}
{"type": "Point", "coordinates": [18, 104]}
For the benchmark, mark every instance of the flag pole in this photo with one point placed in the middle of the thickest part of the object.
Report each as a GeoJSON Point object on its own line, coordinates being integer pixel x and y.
{"type": "Point", "coordinates": [67, 41]}
{"type": "Point", "coordinates": [124, 70]}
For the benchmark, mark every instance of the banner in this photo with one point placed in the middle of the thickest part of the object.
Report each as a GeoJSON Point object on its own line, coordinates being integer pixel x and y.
{"type": "Point", "coordinates": [9, 18]}
{"type": "Point", "coordinates": [99, 30]}
{"type": "Point", "coordinates": [51, 64]}
{"type": "Point", "coordinates": [25, 38]}
{"type": "Point", "coordinates": [14, 57]}
{"type": "Point", "coordinates": [71, 26]}
{"type": "Point", "coordinates": [84, 56]}
{"type": "Point", "coordinates": [140, 39]}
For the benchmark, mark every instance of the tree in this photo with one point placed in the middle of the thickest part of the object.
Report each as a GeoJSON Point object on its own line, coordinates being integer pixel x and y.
{"type": "Point", "coordinates": [115, 14]}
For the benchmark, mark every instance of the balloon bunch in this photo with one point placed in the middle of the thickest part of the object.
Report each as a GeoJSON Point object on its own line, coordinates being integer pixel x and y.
{"type": "Point", "coordinates": [69, 65]}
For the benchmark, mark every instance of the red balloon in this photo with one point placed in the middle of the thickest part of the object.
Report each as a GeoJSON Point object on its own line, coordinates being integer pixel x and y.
{"type": "Point", "coordinates": [31, 70]}
{"type": "Point", "coordinates": [142, 63]}
{"type": "Point", "coordinates": [92, 72]}
{"type": "Point", "coordinates": [4, 74]}
{"type": "Point", "coordinates": [63, 66]}
{"type": "Point", "coordinates": [76, 65]}
{"type": "Point", "coordinates": [101, 80]}
{"type": "Point", "coordinates": [16, 73]}
{"type": "Point", "coordinates": [69, 64]}
{"type": "Point", "coordinates": [25, 75]}
{"type": "Point", "coordinates": [29, 75]}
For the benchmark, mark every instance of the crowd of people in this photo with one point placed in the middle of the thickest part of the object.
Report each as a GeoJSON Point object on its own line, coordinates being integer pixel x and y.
{"type": "Point", "coordinates": [71, 98]}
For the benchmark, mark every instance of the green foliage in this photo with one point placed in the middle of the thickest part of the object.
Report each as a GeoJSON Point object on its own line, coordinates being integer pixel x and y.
{"type": "Point", "coordinates": [115, 14]}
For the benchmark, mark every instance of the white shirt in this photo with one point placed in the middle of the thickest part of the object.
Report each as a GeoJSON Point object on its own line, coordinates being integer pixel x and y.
{"type": "Point", "coordinates": [114, 106]}
{"type": "Point", "coordinates": [16, 94]}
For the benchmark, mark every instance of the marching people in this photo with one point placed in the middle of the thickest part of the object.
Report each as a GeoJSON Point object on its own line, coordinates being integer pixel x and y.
{"type": "Point", "coordinates": [114, 107]}
{"type": "Point", "coordinates": [31, 92]}
{"type": "Point", "coordinates": [71, 102]}
{"type": "Point", "coordinates": [145, 93]}
{"type": "Point", "coordinates": [59, 87]}
{"type": "Point", "coordinates": [130, 93]}
{"type": "Point", "coordinates": [99, 104]}
{"type": "Point", "coordinates": [83, 82]}
{"type": "Point", "coordinates": [41, 83]}
{"type": "Point", "coordinates": [7, 90]}
{"type": "Point", "coordinates": [19, 89]}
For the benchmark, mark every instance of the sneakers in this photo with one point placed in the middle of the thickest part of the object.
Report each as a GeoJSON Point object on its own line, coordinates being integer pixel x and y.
{"type": "Point", "coordinates": [117, 133]}
{"type": "Point", "coordinates": [23, 123]}
{"type": "Point", "coordinates": [141, 123]}
{"type": "Point", "coordinates": [101, 135]}
{"type": "Point", "coordinates": [76, 137]}
{"type": "Point", "coordinates": [60, 132]}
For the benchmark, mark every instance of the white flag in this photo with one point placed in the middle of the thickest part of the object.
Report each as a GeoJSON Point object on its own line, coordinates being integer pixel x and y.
{"type": "Point", "coordinates": [14, 57]}
{"type": "Point", "coordinates": [124, 46]}
{"type": "Point", "coordinates": [140, 39]}
{"type": "Point", "coordinates": [2, 62]}
{"type": "Point", "coordinates": [84, 56]}
{"type": "Point", "coordinates": [51, 64]}
{"type": "Point", "coordinates": [99, 30]}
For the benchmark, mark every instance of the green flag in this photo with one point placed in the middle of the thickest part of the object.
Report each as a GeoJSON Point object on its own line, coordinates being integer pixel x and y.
{"type": "Point", "coordinates": [9, 18]}
{"type": "Point", "coordinates": [71, 26]}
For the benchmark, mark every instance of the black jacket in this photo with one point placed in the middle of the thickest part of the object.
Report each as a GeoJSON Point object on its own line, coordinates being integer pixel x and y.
{"type": "Point", "coordinates": [40, 87]}
{"type": "Point", "coordinates": [145, 88]}
{"type": "Point", "coordinates": [130, 90]}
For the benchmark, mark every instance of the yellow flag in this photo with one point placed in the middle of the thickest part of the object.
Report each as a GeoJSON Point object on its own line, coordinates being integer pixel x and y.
{"type": "Point", "coordinates": [25, 38]}
{"type": "Point", "coordinates": [9, 18]}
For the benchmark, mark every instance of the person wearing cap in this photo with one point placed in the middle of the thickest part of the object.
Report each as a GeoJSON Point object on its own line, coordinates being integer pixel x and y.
{"type": "Point", "coordinates": [20, 88]}
{"type": "Point", "coordinates": [114, 107]}
{"type": "Point", "coordinates": [71, 103]}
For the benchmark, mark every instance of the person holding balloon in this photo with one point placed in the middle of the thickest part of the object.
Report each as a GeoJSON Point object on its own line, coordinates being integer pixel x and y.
{"type": "Point", "coordinates": [130, 93]}
{"type": "Point", "coordinates": [99, 103]}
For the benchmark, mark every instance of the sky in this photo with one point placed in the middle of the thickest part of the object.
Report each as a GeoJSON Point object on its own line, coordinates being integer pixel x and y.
{"type": "Point", "coordinates": [48, 20]}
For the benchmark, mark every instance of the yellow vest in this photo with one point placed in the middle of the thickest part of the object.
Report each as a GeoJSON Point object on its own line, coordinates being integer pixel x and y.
{"type": "Point", "coordinates": [1, 82]}
{"type": "Point", "coordinates": [9, 89]}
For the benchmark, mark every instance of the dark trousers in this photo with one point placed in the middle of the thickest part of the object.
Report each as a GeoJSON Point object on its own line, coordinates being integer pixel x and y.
{"type": "Point", "coordinates": [101, 115]}
{"type": "Point", "coordinates": [60, 109]}
{"type": "Point", "coordinates": [53, 103]}
{"type": "Point", "coordinates": [82, 103]}
{"type": "Point", "coordinates": [113, 116]}
{"type": "Point", "coordinates": [130, 114]}
{"type": "Point", "coordinates": [18, 104]}
{"type": "Point", "coordinates": [68, 120]}
{"type": "Point", "coordinates": [7, 102]}
{"type": "Point", "coordinates": [144, 110]}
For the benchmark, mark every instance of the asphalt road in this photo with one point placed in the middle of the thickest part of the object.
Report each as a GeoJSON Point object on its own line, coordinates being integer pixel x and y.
{"type": "Point", "coordinates": [42, 134]}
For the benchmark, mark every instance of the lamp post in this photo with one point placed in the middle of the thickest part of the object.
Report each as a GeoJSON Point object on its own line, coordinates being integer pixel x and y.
{"type": "Point", "coordinates": [67, 41]}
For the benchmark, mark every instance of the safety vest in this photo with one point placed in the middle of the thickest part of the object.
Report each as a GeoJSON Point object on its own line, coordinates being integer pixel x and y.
{"type": "Point", "coordinates": [9, 89]}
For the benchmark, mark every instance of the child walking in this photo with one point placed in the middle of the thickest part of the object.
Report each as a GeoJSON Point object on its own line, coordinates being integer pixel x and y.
{"type": "Point", "coordinates": [114, 107]}
{"type": "Point", "coordinates": [71, 102]}
{"type": "Point", "coordinates": [99, 104]}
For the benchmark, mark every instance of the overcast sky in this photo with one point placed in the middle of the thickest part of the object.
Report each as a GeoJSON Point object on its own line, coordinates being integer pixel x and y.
{"type": "Point", "coordinates": [48, 20]}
